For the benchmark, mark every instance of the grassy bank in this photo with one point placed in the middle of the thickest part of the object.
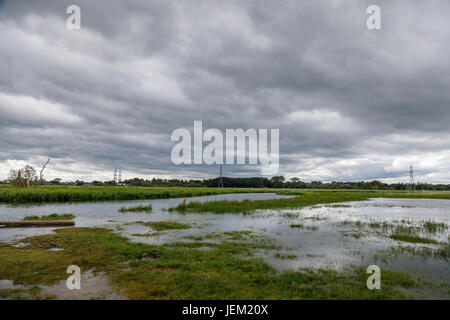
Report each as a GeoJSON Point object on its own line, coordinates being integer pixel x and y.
{"type": "Point", "coordinates": [146, 209]}
{"type": "Point", "coordinates": [180, 270]}
{"type": "Point", "coordinates": [82, 193]}
{"type": "Point", "coordinates": [41, 194]}
{"type": "Point", "coordinates": [50, 217]}
{"type": "Point", "coordinates": [302, 199]}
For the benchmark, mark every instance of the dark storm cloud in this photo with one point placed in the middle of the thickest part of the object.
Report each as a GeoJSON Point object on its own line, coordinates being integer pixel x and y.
{"type": "Point", "coordinates": [350, 103]}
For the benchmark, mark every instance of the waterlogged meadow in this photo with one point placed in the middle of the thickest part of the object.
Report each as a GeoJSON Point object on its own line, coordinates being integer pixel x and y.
{"type": "Point", "coordinates": [293, 245]}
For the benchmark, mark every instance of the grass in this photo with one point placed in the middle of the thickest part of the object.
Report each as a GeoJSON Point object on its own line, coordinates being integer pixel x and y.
{"type": "Point", "coordinates": [141, 208]}
{"type": "Point", "coordinates": [301, 199]}
{"type": "Point", "coordinates": [434, 227]}
{"type": "Point", "coordinates": [247, 206]}
{"type": "Point", "coordinates": [181, 271]}
{"type": "Point", "coordinates": [40, 194]}
{"type": "Point", "coordinates": [165, 225]}
{"type": "Point", "coordinates": [443, 252]}
{"type": "Point", "coordinates": [228, 235]}
{"type": "Point", "coordinates": [50, 217]}
{"type": "Point", "coordinates": [412, 238]}
{"type": "Point", "coordinates": [403, 230]}
{"type": "Point", "coordinates": [284, 256]}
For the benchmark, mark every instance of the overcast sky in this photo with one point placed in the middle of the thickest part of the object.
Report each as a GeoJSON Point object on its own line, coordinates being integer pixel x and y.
{"type": "Point", "coordinates": [350, 103]}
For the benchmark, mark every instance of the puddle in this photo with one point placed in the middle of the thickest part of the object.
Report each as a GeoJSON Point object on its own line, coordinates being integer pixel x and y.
{"type": "Point", "coordinates": [92, 287]}
{"type": "Point", "coordinates": [56, 249]}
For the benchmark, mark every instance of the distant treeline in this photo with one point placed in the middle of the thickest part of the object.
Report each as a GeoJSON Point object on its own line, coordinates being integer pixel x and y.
{"type": "Point", "coordinates": [274, 182]}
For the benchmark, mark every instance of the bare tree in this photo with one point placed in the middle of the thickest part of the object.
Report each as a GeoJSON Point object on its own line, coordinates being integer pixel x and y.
{"type": "Point", "coordinates": [41, 173]}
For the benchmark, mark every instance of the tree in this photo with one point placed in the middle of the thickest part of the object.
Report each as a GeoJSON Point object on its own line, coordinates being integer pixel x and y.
{"type": "Point", "coordinates": [41, 174]}
{"type": "Point", "coordinates": [15, 178]}
{"type": "Point", "coordinates": [29, 175]}
{"type": "Point", "coordinates": [25, 177]}
{"type": "Point", "coordinates": [277, 181]}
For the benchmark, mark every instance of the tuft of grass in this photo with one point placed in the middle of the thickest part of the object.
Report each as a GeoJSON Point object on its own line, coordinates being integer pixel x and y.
{"type": "Point", "coordinates": [412, 238]}
{"type": "Point", "coordinates": [443, 252]}
{"type": "Point", "coordinates": [434, 227]}
{"type": "Point", "coordinates": [284, 256]}
{"type": "Point", "coordinates": [140, 208]}
{"type": "Point", "coordinates": [166, 225]}
{"type": "Point", "coordinates": [297, 225]}
{"type": "Point", "coordinates": [50, 217]}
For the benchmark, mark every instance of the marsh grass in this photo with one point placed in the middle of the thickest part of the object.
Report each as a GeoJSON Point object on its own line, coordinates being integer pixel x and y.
{"type": "Point", "coordinates": [290, 215]}
{"type": "Point", "coordinates": [182, 270]}
{"type": "Point", "coordinates": [248, 206]}
{"type": "Point", "coordinates": [40, 194]}
{"type": "Point", "coordinates": [443, 252]}
{"type": "Point", "coordinates": [146, 209]}
{"type": "Point", "coordinates": [50, 217]}
{"type": "Point", "coordinates": [434, 227]}
{"type": "Point", "coordinates": [401, 230]}
{"type": "Point", "coordinates": [300, 199]}
{"type": "Point", "coordinates": [228, 235]}
{"type": "Point", "coordinates": [412, 238]}
{"type": "Point", "coordinates": [284, 256]}
{"type": "Point", "coordinates": [165, 225]}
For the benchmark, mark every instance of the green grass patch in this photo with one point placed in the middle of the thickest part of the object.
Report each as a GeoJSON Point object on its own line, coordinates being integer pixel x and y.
{"type": "Point", "coordinates": [284, 256]}
{"type": "Point", "coordinates": [443, 252]}
{"type": "Point", "coordinates": [166, 225]}
{"type": "Point", "coordinates": [147, 209]}
{"type": "Point", "coordinates": [299, 200]}
{"type": "Point", "coordinates": [247, 206]}
{"type": "Point", "coordinates": [434, 227]}
{"type": "Point", "coordinates": [50, 217]}
{"type": "Point", "coordinates": [412, 238]}
{"type": "Point", "coordinates": [40, 194]}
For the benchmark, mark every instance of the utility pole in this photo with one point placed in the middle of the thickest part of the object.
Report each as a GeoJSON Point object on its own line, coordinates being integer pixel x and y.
{"type": "Point", "coordinates": [411, 178]}
{"type": "Point", "coordinates": [115, 175]}
{"type": "Point", "coordinates": [220, 178]}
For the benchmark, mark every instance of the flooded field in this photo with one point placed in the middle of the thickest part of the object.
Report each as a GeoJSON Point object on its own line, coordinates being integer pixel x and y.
{"type": "Point", "coordinates": [407, 235]}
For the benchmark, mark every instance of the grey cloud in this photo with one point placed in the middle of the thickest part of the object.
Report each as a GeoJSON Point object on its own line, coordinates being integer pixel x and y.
{"type": "Point", "coordinates": [349, 102]}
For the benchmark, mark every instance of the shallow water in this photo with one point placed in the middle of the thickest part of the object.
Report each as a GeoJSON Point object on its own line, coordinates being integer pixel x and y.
{"type": "Point", "coordinates": [90, 214]}
{"type": "Point", "coordinates": [322, 242]}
